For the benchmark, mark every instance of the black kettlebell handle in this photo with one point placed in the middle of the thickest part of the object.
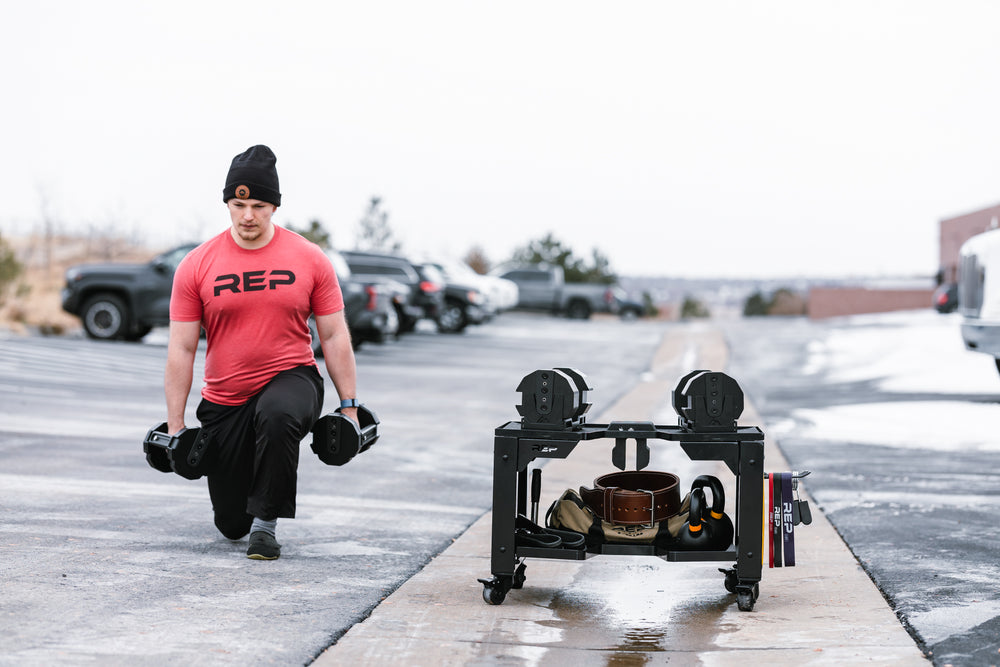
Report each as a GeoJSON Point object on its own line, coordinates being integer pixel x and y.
{"type": "Point", "coordinates": [718, 493]}
{"type": "Point", "coordinates": [697, 509]}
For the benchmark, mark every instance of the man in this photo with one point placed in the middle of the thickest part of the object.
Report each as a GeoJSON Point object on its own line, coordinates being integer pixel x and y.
{"type": "Point", "coordinates": [252, 288]}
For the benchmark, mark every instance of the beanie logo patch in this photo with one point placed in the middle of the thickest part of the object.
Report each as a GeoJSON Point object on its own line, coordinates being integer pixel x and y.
{"type": "Point", "coordinates": [242, 191]}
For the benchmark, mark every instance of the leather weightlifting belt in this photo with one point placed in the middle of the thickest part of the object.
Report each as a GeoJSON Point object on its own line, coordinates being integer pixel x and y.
{"type": "Point", "coordinates": [634, 497]}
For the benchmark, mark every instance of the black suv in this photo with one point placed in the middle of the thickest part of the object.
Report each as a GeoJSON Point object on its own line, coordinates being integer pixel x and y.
{"type": "Point", "coordinates": [369, 305]}
{"type": "Point", "coordinates": [426, 298]}
{"type": "Point", "coordinates": [463, 303]}
{"type": "Point", "coordinates": [125, 301]}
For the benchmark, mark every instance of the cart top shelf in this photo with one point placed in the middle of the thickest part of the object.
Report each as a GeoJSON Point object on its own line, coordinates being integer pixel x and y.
{"type": "Point", "coordinates": [629, 430]}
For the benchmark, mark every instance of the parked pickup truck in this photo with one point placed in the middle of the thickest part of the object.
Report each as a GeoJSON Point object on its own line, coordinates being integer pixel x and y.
{"type": "Point", "coordinates": [122, 301]}
{"type": "Point", "coordinates": [544, 287]}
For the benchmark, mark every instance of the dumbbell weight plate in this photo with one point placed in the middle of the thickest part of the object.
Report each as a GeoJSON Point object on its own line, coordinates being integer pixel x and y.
{"type": "Point", "coordinates": [368, 422]}
{"type": "Point", "coordinates": [187, 452]}
{"type": "Point", "coordinates": [337, 438]}
{"type": "Point", "coordinates": [155, 446]}
{"type": "Point", "coordinates": [189, 455]}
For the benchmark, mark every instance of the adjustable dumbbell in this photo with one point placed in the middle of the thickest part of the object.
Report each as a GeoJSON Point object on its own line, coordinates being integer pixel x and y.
{"type": "Point", "coordinates": [722, 525]}
{"type": "Point", "coordinates": [337, 438]}
{"type": "Point", "coordinates": [186, 452]}
{"type": "Point", "coordinates": [707, 401]}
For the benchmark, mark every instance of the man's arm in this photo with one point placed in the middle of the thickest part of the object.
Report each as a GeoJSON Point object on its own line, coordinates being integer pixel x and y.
{"type": "Point", "coordinates": [335, 338]}
{"type": "Point", "coordinates": [177, 377]}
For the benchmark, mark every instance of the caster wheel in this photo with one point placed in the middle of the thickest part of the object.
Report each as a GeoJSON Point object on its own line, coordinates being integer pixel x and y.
{"type": "Point", "coordinates": [746, 596]}
{"type": "Point", "coordinates": [731, 580]}
{"type": "Point", "coordinates": [518, 580]}
{"type": "Point", "coordinates": [495, 589]}
{"type": "Point", "coordinates": [493, 595]}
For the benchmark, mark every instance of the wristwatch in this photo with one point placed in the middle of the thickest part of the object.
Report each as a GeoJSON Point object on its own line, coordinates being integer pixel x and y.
{"type": "Point", "coordinates": [349, 403]}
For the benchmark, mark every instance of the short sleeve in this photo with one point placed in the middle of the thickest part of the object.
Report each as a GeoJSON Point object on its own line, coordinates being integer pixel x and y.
{"type": "Point", "coordinates": [185, 299]}
{"type": "Point", "coordinates": [326, 297]}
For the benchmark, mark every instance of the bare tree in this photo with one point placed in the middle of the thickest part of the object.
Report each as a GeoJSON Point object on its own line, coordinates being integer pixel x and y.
{"type": "Point", "coordinates": [48, 226]}
{"type": "Point", "coordinates": [374, 232]}
{"type": "Point", "coordinates": [110, 238]}
{"type": "Point", "coordinates": [477, 259]}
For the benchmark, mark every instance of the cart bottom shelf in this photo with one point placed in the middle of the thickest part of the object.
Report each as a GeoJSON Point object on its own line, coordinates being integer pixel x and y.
{"type": "Point", "coordinates": [627, 550]}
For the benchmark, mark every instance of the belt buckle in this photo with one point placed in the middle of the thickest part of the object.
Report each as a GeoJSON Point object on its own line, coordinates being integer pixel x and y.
{"type": "Point", "coordinates": [651, 508]}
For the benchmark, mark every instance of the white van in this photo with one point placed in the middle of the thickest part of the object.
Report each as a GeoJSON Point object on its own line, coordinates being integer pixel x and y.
{"type": "Point", "coordinates": [979, 293]}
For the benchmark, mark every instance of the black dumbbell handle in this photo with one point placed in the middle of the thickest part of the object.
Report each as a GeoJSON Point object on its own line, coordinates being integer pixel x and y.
{"type": "Point", "coordinates": [536, 492]}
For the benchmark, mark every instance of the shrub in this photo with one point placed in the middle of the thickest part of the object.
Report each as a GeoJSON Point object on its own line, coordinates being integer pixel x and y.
{"type": "Point", "coordinates": [10, 268]}
{"type": "Point", "coordinates": [693, 308]}
{"type": "Point", "coordinates": [783, 302]}
{"type": "Point", "coordinates": [755, 305]}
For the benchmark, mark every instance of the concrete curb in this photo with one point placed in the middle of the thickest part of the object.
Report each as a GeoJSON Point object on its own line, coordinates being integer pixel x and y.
{"type": "Point", "coordinates": [629, 610]}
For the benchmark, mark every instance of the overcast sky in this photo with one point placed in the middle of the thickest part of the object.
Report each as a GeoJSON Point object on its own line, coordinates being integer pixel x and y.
{"type": "Point", "coordinates": [683, 139]}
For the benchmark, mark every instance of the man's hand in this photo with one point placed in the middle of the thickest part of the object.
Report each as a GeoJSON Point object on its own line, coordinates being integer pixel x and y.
{"type": "Point", "coordinates": [352, 413]}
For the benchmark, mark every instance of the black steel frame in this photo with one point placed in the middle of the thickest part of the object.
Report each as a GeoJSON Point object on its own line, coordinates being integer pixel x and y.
{"type": "Point", "coordinates": [516, 446]}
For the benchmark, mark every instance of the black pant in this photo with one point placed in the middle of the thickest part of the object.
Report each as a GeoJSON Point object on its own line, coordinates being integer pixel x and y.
{"type": "Point", "coordinates": [257, 449]}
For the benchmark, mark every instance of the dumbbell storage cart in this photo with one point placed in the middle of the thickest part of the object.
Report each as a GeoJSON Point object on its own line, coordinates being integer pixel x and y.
{"type": "Point", "coordinates": [552, 426]}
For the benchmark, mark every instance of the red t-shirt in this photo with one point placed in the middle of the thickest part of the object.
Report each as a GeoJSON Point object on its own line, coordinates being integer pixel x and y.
{"type": "Point", "coordinates": [254, 306]}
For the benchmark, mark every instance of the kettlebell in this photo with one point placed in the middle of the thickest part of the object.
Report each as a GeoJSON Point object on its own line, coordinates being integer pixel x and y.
{"type": "Point", "coordinates": [722, 525]}
{"type": "Point", "coordinates": [696, 535]}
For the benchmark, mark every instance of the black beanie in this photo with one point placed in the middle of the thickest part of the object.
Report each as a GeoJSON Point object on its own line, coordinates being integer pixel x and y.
{"type": "Point", "coordinates": [252, 176]}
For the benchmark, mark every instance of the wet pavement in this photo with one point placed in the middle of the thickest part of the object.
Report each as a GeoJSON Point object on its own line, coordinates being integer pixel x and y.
{"type": "Point", "coordinates": [611, 610]}
{"type": "Point", "coordinates": [897, 429]}
{"type": "Point", "coordinates": [104, 560]}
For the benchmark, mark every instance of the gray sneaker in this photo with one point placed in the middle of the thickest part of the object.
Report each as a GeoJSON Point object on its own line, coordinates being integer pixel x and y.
{"type": "Point", "coordinates": [263, 546]}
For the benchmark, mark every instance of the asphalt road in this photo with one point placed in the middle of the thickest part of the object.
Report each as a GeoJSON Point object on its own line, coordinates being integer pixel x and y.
{"type": "Point", "coordinates": [921, 518]}
{"type": "Point", "coordinates": [106, 560]}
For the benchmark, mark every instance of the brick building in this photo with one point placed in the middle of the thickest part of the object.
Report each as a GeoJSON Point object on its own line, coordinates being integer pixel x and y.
{"type": "Point", "coordinates": [956, 231]}
{"type": "Point", "coordinates": [846, 300]}
{"type": "Point", "coordinates": [839, 301]}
